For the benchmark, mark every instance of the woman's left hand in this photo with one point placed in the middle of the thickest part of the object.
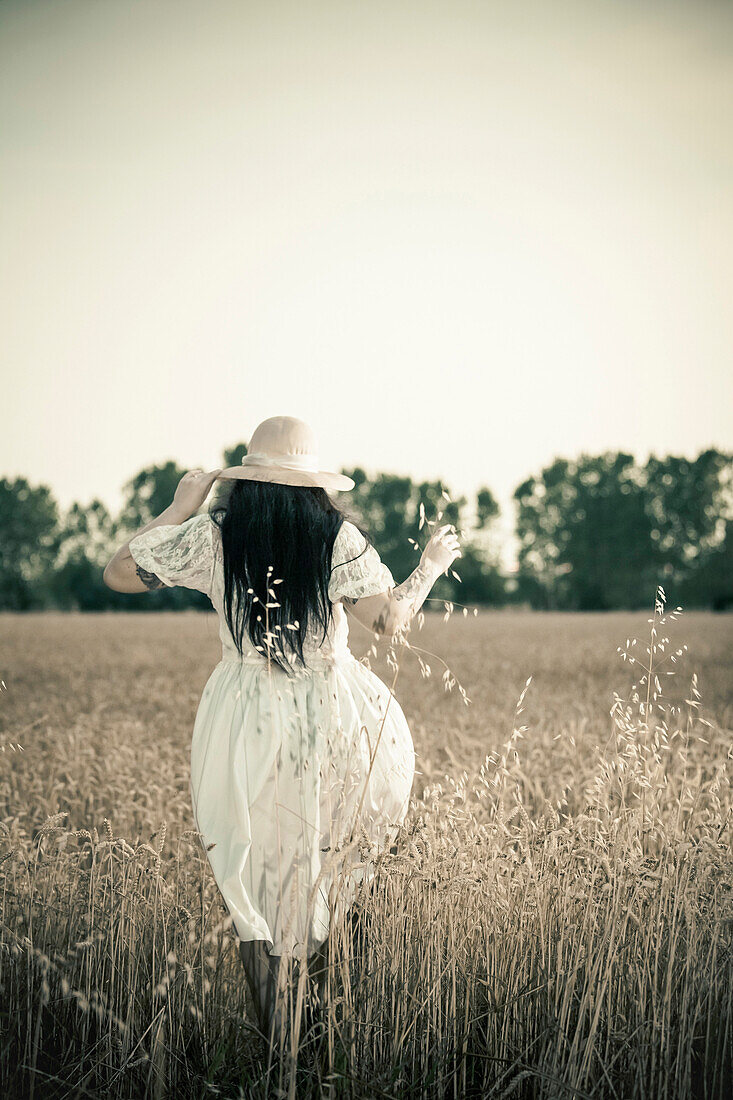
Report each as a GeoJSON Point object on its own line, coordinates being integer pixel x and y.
{"type": "Point", "coordinates": [193, 489]}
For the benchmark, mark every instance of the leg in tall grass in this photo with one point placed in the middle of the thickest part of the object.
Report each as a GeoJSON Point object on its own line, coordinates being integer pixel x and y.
{"type": "Point", "coordinates": [320, 961]}
{"type": "Point", "coordinates": [261, 970]}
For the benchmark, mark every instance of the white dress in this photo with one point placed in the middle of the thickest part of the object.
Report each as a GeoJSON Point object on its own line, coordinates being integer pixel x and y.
{"type": "Point", "coordinates": [286, 768]}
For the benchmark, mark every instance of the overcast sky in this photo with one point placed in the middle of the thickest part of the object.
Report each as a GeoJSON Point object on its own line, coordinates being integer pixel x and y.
{"type": "Point", "coordinates": [458, 238]}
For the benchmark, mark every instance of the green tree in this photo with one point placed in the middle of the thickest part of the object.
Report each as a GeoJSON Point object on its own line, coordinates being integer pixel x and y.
{"type": "Point", "coordinates": [232, 456]}
{"type": "Point", "coordinates": [689, 503]}
{"type": "Point", "coordinates": [711, 583]}
{"type": "Point", "coordinates": [585, 535]}
{"type": "Point", "coordinates": [602, 532]}
{"type": "Point", "coordinates": [87, 542]}
{"type": "Point", "coordinates": [479, 566]}
{"type": "Point", "coordinates": [29, 542]}
{"type": "Point", "coordinates": [487, 509]}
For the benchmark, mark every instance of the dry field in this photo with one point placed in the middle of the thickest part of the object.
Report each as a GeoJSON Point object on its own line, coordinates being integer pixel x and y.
{"type": "Point", "coordinates": [556, 922]}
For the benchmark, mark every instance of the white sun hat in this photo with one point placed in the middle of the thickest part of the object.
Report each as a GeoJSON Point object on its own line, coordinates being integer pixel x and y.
{"type": "Point", "coordinates": [284, 449]}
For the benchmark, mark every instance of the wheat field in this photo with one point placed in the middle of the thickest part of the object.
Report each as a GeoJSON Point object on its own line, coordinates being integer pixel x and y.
{"type": "Point", "coordinates": [555, 919]}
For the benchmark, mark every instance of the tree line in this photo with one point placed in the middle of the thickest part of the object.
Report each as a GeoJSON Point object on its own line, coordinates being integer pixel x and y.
{"type": "Point", "coordinates": [597, 532]}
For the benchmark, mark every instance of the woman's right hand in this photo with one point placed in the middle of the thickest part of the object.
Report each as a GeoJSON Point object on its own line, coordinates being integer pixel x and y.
{"type": "Point", "coordinates": [193, 489]}
{"type": "Point", "coordinates": [442, 549]}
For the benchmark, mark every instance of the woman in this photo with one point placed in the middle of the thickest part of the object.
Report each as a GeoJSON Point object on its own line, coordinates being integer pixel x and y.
{"type": "Point", "coordinates": [299, 752]}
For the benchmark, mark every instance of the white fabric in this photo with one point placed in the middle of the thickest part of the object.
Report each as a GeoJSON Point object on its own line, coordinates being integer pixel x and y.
{"type": "Point", "coordinates": [279, 762]}
{"type": "Point", "coordinates": [288, 462]}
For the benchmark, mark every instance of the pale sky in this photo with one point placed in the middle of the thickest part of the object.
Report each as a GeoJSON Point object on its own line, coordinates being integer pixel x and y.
{"type": "Point", "coordinates": [460, 239]}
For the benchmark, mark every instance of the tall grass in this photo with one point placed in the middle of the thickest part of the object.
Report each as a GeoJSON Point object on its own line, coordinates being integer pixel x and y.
{"type": "Point", "coordinates": [511, 945]}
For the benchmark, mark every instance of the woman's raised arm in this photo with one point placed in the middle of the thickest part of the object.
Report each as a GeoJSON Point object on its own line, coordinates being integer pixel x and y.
{"type": "Point", "coordinates": [391, 611]}
{"type": "Point", "coordinates": [121, 572]}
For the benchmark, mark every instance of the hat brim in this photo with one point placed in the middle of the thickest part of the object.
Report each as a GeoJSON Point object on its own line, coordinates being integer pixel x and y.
{"type": "Point", "coordinates": [323, 479]}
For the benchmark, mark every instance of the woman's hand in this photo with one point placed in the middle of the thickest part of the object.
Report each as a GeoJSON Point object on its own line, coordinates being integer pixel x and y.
{"type": "Point", "coordinates": [193, 489]}
{"type": "Point", "coordinates": [442, 549]}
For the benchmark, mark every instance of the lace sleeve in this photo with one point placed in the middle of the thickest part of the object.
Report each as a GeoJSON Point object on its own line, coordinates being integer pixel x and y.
{"type": "Point", "coordinates": [355, 571]}
{"type": "Point", "coordinates": [179, 554]}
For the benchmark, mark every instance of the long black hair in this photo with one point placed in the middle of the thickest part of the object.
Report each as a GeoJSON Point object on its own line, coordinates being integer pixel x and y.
{"type": "Point", "coordinates": [277, 545]}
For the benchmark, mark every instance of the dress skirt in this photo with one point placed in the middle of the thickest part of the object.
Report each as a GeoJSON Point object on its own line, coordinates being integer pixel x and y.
{"type": "Point", "coordinates": [297, 782]}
